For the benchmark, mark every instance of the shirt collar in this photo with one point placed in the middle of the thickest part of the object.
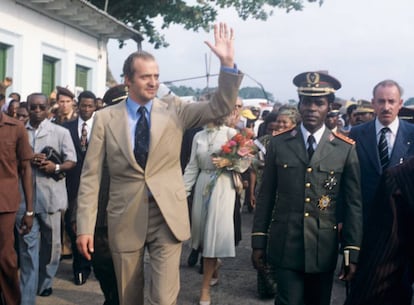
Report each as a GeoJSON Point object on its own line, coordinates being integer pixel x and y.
{"type": "Point", "coordinates": [393, 126]}
{"type": "Point", "coordinates": [30, 127]}
{"type": "Point", "coordinates": [317, 135]}
{"type": "Point", "coordinates": [88, 122]}
{"type": "Point", "coordinates": [133, 106]}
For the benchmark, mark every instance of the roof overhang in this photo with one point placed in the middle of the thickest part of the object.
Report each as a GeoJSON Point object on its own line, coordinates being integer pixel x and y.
{"type": "Point", "coordinates": [85, 17]}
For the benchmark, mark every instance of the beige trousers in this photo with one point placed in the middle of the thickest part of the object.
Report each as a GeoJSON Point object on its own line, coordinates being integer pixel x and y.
{"type": "Point", "coordinates": [164, 251]}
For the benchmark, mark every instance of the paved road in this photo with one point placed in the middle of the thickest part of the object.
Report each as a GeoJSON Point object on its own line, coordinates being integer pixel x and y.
{"type": "Point", "coordinates": [237, 281]}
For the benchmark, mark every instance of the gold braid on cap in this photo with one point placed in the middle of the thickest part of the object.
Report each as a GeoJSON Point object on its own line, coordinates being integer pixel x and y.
{"type": "Point", "coordinates": [313, 91]}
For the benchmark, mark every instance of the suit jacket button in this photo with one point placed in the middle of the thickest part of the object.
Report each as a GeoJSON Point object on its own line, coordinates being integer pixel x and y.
{"type": "Point", "coordinates": [307, 185]}
{"type": "Point", "coordinates": [309, 169]}
{"type": "Point", "coordinates": [306, 214]}
{"type": "Point", "coordinates": [307, 199]}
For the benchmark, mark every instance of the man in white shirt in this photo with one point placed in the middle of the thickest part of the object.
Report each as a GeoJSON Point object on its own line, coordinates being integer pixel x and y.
{"type": "Point", "coordinates": [397, 145]}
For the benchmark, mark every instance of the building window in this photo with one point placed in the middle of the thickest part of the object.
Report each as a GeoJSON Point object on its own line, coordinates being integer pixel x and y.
{"type": "Point", "coordinates": [82, 77]}
{"type": "Point", "coordinates": [3, 61]}
{"type": "Point", "coordinates": [48, 74]}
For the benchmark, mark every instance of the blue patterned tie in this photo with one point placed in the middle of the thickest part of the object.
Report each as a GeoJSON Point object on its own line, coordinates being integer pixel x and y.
{"type": "Point", "coordinates": [383, 148]}
{"type": "Point", "coordinates": [142, 138]}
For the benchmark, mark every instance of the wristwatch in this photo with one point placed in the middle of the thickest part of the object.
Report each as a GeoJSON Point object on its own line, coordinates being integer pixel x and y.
{"type": "Point", "coordinates": [57, 168]}
{"type": "Point", "coordinates": [29, 213]}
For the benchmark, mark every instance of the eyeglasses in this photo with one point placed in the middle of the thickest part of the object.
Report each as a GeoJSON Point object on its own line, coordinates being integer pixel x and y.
{"type": "Point", "coordinates": [40, 106]}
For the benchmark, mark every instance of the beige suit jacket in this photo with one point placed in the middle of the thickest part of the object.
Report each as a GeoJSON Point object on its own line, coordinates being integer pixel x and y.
{"type": "Point", "coordinates": [129, 184]}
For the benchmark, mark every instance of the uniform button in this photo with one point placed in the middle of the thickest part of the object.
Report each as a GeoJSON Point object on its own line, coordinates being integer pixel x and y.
{"type": "Point", "coordinates": [332, 172]}
{"type": "Point", "coordinates": [307, 185]}
{"type": "Point", "coordinates": [307, 199]}
{"type": "Point", "coordinates": [309, 169]}
{"type": "Point", "coordinates": [284, 165]}
{"type": "Point", "coordinates": [306, 214]}
{"type": "Point", "coordinates": [335, 227]}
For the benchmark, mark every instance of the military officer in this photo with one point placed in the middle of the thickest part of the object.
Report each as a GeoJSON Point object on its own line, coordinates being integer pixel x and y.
{"type": "Point", "coordinates": [310, 174]}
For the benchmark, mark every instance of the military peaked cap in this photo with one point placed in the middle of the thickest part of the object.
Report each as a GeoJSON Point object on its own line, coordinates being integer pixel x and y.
{"type": "Point", "coordinates": [316, 83]}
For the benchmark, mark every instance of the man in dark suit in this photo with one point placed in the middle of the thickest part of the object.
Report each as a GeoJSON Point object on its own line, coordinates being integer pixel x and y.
{"type": "Point", "coordinates": [80, 130]}
{"type": "Point", "coordinates": [398, 135]}
{"type": "Point", "coordinates": [310, 172]}
{"type": "Point", "coordinates": [388, 245]}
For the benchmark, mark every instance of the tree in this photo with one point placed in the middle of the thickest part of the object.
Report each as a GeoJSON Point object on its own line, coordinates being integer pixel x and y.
{"type": "Point", "coordinates": [255, 92]}
{"type": "Point", "coordinates": [409, 102]}
{"type": "Point", "coordinates": [141, 14]}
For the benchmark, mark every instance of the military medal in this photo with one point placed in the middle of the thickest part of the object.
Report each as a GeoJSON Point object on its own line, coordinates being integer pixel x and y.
{"type": "Point", "coordinates": [330, 183]}
{"type": "Point", "coordinates": [324, 202]}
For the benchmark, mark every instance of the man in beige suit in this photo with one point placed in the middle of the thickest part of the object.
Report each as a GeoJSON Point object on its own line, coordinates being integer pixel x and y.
{"type": "Point", "coordinates": [147, 206]}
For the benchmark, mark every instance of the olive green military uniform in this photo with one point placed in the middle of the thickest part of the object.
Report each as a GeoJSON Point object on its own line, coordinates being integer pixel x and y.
{"type": "Point", "coordinates": [296, 212]}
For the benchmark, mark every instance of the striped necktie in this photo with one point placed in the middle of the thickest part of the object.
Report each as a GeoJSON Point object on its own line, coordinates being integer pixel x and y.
{"type": "Point", "coordinates": [84, 137]}
{"type": "Point", "coordinates": [383, 148]}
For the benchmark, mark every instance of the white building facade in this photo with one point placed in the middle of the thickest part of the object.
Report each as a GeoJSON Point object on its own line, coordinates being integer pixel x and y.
{"type": "Point", "coordinates": [45, 43]}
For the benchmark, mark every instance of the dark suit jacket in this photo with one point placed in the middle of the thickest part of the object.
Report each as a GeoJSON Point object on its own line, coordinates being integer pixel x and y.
{"type": "Point", "coordinates": [366, 144]}
{"type": "Point", "coordinates": [73, 176]}
{"type": "Point", "coordinates": [300, 235]}
{"type": "Point", "coordinates": [388, 245]}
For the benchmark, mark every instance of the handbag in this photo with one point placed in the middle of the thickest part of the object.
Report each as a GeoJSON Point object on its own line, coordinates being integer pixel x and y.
{"type": "Point", "coordinates": [237, 182]}
{"type": "Point", "coordinates": [55, 157]}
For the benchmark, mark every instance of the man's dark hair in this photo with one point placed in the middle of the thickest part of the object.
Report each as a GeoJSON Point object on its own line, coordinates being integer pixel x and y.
{"type": "Point", "coordinates": [16, 94]}
{"type": "Point", "coordinates": [271, 117]}
{"type": "Point", "coordinates": [350, 109]}
{"type": "Point", "coordinates": [30, 96]}
{"type": "Point", "coordinates": [128, 69]}
{"type": "Point", "coordinates": [87, 94]}
{"type": "Point", "coordinates": [23, 105]}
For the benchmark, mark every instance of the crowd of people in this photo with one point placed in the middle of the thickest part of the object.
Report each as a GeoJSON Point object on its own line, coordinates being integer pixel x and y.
{"type": "Point", "coordinates": [118, 176]}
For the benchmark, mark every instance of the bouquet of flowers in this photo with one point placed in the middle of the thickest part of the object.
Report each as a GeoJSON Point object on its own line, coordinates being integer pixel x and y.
{"type": "Point", "coordinates": [240, 146]}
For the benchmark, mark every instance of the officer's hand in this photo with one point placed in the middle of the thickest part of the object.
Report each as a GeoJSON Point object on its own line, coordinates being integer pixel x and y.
{"type": "Point", "coordinates": [347, 274]}
{"type": "Point", "coordinates": [48, 167]}
{"type": "Point", "coordinates": [253, 201]}
{"type": "Point", "coordinates": [38, 159]}
{"type": "Point", "coordinates": [26, 224]}
{"type": "Point", "coordinates": [84, 243]}
{"type": "Point", "coordinates": [258, 258]}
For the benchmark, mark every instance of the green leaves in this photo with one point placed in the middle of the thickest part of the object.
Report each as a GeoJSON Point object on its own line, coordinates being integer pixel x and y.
{"type": "Point", "coordinates": [141, 14]}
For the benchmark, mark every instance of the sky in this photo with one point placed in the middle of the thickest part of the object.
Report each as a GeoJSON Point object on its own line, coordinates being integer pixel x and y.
{"type": "Point", "coordinates": [360, 42]}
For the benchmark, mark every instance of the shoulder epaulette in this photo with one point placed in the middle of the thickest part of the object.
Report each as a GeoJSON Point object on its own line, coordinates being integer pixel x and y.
{"type": "Point", "coordinates": [343, 138]}
{"type": "Point", "coordinates": [283, 131]}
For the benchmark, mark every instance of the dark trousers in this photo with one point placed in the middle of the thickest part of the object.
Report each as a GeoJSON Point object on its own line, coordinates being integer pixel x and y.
{"type": "Point", "coordinates": [103, 267]}
{"type": "Point", "coordinates": [299, 288]}
{"type": "Point", "coordinates": [79, 264]}
{"type": "Point", "coordinates": [9, 280]}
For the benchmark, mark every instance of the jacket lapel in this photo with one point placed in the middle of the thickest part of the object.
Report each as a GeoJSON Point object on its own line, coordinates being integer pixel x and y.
{"type": "Point", "coordinates": [75, 134]}
{"type": "Point", "coordinates": [401, 145]}
{"type": "Point", "coordinates": [368, 143]}
{"type": "Point", "coordinates": [45, 129]}
{"type": "Point", "coordinates": [296, 144]}
{"type": "Point", "coordinates": [324, 148]}
{"type": "Point", "coordinates": [159, 118]}
{"type": "Point", "coordinates": [119, 128]}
